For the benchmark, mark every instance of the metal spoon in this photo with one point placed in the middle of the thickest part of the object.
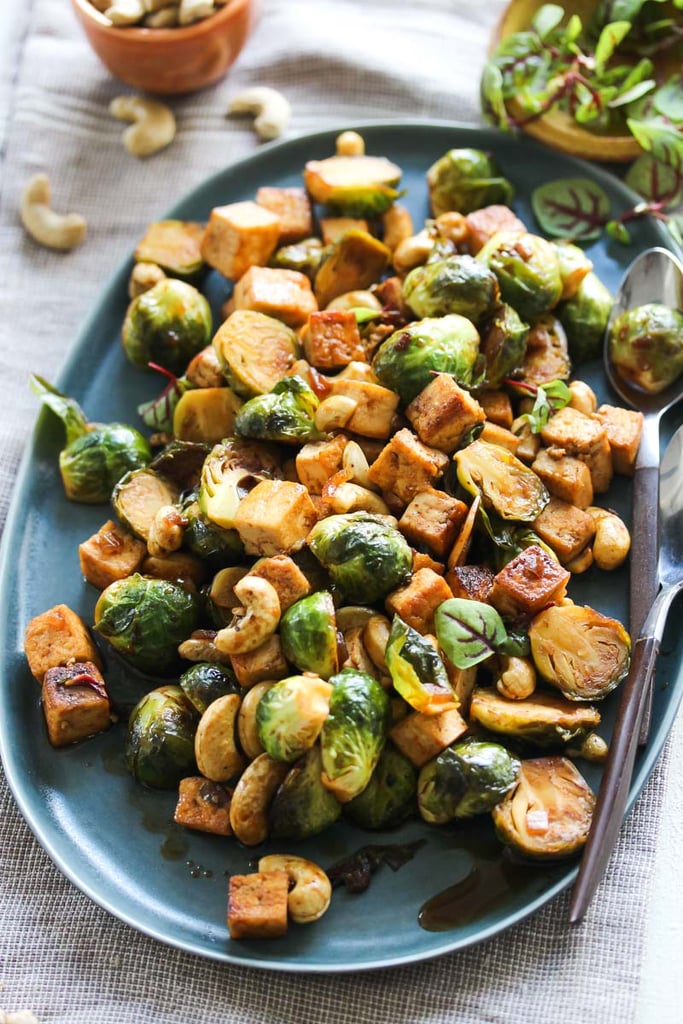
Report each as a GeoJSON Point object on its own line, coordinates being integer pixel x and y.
{"type": "Point", "coordinates": [656, 275]}
{"type": "Point", "coordinates": [611, 802]}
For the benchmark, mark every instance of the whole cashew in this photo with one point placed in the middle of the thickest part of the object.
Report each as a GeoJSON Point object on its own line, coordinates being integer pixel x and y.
{"type": "Point", "coordinates": [20, 1017]}
{"type": "Point", "coordinates": [215, 748]}
{"type": "Point", "coordinates": [249, 631]}
{"type": "Point", "coordinates": [311, 890]}
{"type": "Point", "coordinates": [166, 531]}
{"type": "Point", "coordinates": [270, 106]}
{"type": "Point", "coordinates": [252, 796]}
{"type": "Point", "coordinates": [153, 124]}
{"type": "Point", "coordinates": [54, 230]}
{"type": "Point", "coordinates": [194, 10]}
{"type": "Point", "coordinates": [201, 646]}
{"type": "Point", "coordinates": [247, 730]}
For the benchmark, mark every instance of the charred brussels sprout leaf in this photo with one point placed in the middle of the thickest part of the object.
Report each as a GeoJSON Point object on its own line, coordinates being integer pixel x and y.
{"type": "Point", "coordinates": [354, 733]}
{"type": "Point", "coordinates": [389, 797]}
{"type": "Point", "coordinates": [138, 496]}
{"type": "Point", "coordinates": [145, 619]}
{"type": "Point", "coordinates": [364, 555]}
{"type": "Point", "coordinates": [528, 271]}
{"type": "Point", "coordinates": [308, 633]}
{"type": "Point", "coordinates": [302, 806]}
{"type": "Point", "coordinates": [584, 318]}
{"type": "Point", "coordinates": [465, 180]}
{"type": "Point", "coordinates": [503, 344]}
{"type": "Point", "coordinates": [67, 409]}
{"type": "Point", "coordinates": [355, 872]}
{"type": "Point", "coordinates": [458, 284]}
{"type": "Point", "coordinates": [646, 346]}
{"type": "Point", "coordinates": [407, 360]}
{"type": "Point", "coordinates": [544, 719]}
{"type": "Point", "coordinates": [286, 414]}
{"type": "Point", "coordinates": [416, 670]}
{"type": "Point", "coordinates": [506, 485]}
{"type": "Point", "coordinates": [205, 682]}
{"type": "Point", "coordinates": [465, 779]}
{"type": "Point", "coordinates": [290, 715]}
{"type": "Point", "coordinates": [469, 631]}
{"type": "Point", "coordinates": [160, 739]}
{"type": "Point", "coordinates": [167, 325]}
{"type": "Point", "coordinates": [181, 461]}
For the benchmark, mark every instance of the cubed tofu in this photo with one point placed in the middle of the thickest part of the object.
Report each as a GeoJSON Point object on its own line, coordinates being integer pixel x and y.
{"type": "Point", "coordinates": [334, 228]}
{"type": "Point", "coordinates": [331, 339]}
{"type": "Point", "coordinates": [423, 561]}
{"type": "Point", "coordinates": [373, 415]}
{"type": "Point", "coordinates": [623, 428]}
{"type": "Point", "coordinates": [203, 806]}
{"type": "Point", "coordinates": [177, 566]}
{"type": "Point", "coordinates": [547, 352]}
{"type": "Point", "coordinates": [529, 442]}
{"type": "Point", "coordinates": [292, 208]}
{"type": "Point", "coordinates": [565, 477]}
{"type": "Point", "coordinates": [497, 407]}
{"type": "Point", "coordinates": [397, 225]}
{"type": "Point", "coordinates": [406, 466]}
{"type": "Point", "coordinates": [285, 576]}
{"type": "Point", "coordinates": [528, 583]}
{"type": "Point", "coordinates": [75, 703]}
{"type": "Point", "coordinates": [275, 518]}
{"type": "Point", "coordinates": [58, 637]}
{"type": "Point", "coordinates": [110, 554]}
{"type": "Point", "coordinates": [471, 582]}
{"type": "Point", "coordinates": [565, 528]}
{"type": "Point", "coordinates": [583, 437]}
{"type": "Point", "coordinates": [419, 599]}
{"type": "Point", "coordinates": [239, 236]}
{"type": "Point", "coordinates": [266, 662]}
{"type": "Point", "coordinates": [443, 413]}
{"type": "Point", "coordinates": [421, 737]}
{"type": "Point", "coordinates": [433, 520]}
{"type": "Point", "coordinates": [317, 461]}
{"type": "Point", "coordinates": [495, 434]}
{"type": "Point", "coordinates": [257, 905]}
{"type": "Point", "coordinates": [285, 294]}
{"type": "Point", "coordinates": [483, 224]}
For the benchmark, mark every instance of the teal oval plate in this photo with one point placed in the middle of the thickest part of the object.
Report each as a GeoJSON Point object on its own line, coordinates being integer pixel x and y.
{"type": "Point", "coordinates": [115, 840]}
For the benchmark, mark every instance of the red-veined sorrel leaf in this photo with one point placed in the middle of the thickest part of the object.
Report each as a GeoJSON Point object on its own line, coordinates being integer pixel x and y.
{"type": "Point", "coordinates": [662, 141]}
{"type": "Point", "coordinates": [571, 208]}
{"type": "Point", "coordinates": [468, 631]}
{"type": "Point", "coordinates": [655, 181]}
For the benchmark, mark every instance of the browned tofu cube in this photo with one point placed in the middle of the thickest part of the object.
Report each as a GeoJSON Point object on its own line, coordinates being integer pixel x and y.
{"type": "Point", "coordinates": [334, 228]}
{"type": "Point", "coordinates": [528, 583]}
{"type": "Point", "coordinates": [547, 352]}
{"type": "Point", "coordinates": [443, 413]}
{"type": "Point", "coordinates": [565, 477]}
{"type": "Point", "coordinates": [204, 806]}
{"type": "Point", "coordinates": [471, 582]}
{"type": "Point", "coordinates": [292, 208]}
{"type": "Point", "coordinates": [433, 519]}
{"type": "Point", "coordinates": [483, 224]}
{"type": "Point", "coordinates": [285, 294]}
{"type": "Point", "coordinates": [421, 737]}
{"type": "Point", "coordinates": [332, 340]}
{"type": "Point", "coordinates": [463, 681]}
{"type": "Point", "coordinates": [497, 407]}
{"type": "Point", "coordinates": [257, 905]}
{"type": "Point", "coordinates": [423, 561]}
{"type": "Point", "coordinates": [529, 442]}
{"type": "Point", "coordinates": [239, 236]}
{"type": "Point", "coordinates": [177, 565]}
{"type": "Point", "coordinates": [375, 408]}
{"type": "Point", "coordinates": [58, 637]}
{"type": "Point", "coordinates": [275, 518]}
{"type": "Point", "coordinates": [418, 600]}
{"type": "Point", "coordinates": [110, 554]}
{"type": "Point", "coordinates": [317, 461]}
{"type": "Point", "coordinates": [584, 437]}
{"type": "Point", "coordinates": [285, 576]}
{"type": "Point", "coordinates": [406, 466]}
{"type": "Point", "coordinates": [623, 428]}
{"type": "Point", "coordinates": [266, 662]}
{"type": "Point", "coordinates": [495, 434]}
{"type": "Point", "coordinates": [75, 703]}
{"type": "Point", "coordinates": [565, 528]}
{"type": "Point", "coordinates": [397, 225]}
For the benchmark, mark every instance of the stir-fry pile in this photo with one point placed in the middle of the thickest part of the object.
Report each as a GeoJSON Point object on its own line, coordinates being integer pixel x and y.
{"type": "Point", "coordinates": [343, 554]}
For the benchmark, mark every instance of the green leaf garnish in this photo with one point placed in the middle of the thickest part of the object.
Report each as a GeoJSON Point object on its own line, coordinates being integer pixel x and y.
{"type": "Point", "coordinates": [468, 631]}
{"type": "Point", "coordinates": [571, 208]}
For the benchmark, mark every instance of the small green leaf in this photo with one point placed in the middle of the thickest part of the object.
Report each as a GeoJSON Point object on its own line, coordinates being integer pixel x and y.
{"type": "Point", "coordinates": [618, 231]}
{"type": "Point", "coordinates": [468, 631]}
{"type": "Point", "coordinates": [67, 409]}
{"type": "Point", "coordinates": [571, 208]}
{"type": "Point", "coordinates": [158, 413]}
{"type": "Point", "coordinates": [635, 92]}
{"type": "Point", "coordinates": [549, 398]}
{"type": "Point", "coordinates": [661, 140]}
{"type": "Point", "coordinates": [364, 314]}
{"type": "Point", "coordinates": [547, 18]}
{"type": "Point", "coordinates": [574, 29]}
{"type": "Point", "coordinates": [492, 98]}
{"type": "Point", "coordinates": [668, 100]}
{"type": "Point", "coordinates": [609, 40]}
{"type": "Point", "coordinates": [655, 181]}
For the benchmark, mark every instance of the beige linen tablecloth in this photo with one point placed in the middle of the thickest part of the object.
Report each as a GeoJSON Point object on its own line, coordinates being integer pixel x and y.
{"type": "Point", "coordinates": [338, 61]}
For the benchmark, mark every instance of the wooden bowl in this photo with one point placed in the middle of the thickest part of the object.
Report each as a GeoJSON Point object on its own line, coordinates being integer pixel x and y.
{"type": "Point", "coordinates": [171, 60]}
{"type": "Point", "coordinates": [558, 129]}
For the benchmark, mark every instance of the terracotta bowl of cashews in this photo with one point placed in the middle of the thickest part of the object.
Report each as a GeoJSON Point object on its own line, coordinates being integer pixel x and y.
{"type": "Point", "coordinates": [184, 57]}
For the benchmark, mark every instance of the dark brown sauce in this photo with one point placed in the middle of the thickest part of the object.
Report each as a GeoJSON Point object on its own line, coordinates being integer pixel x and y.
{"type": "Point", "coordinates": [174, 846]}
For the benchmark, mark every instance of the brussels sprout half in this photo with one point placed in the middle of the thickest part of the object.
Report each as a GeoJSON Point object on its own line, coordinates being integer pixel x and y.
{"type": "Point", "coordinates": [503, 344]}
{"type": "Point", "coordinates": [458, 284]}
{"type": "Point", "coordinates": [417, 671]}
{"type": "Point", "coordinates": [364, 555]}
{"type": "Point", "coordinates": [308, 633]}
{"type": "Point", "coordinates": [465, 779]}
{"type": "Point", "coordinates": [646, 346]}
{"type": "Point", "coordinates": [160, 739]}
{"type": "Point", "coordinates": [168, 325]}
{"type": "Point", "coordinates": [528, 271]}
{"type": "Point", "coordinates": [290, 715]}
{"type": "Point", "coordinates": [304, 256]}
{"type": "Point", "coordinates": [389, 797]}
{"type": "Point", "coordinates": [506, 485]}
{"type": "Point", "coordinates": [584, 318]}
{"type": "Point", "coordinates": [465, 180]}
{"type": "Point", "coordinates": [354, 733]}
{"type": "Point", "coordinates": [216, 546]}
{"type": "Point", "coordinates": [353, 186]}
{"type": "Point", "coordinates": [544, 719]}
{"type": "Point", "coordinates": [286, 414]}
{"type": "Point", "coordinates": [302, 806]}
{"type": "Point", "coordinates": [94, 463]}
{"type": "Point", "coordinates": [230, 471]}
{"type": "Point", "coordinates": [205, 682]}
{"type": "Point", "coordinates": [139, 495]}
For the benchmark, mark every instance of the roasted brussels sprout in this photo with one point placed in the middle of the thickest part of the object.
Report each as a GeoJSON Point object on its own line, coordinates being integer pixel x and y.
{"type": "Point", "coordinates": [308, 633]}
{"type": "Point", "coordinates": [302, 806]}
{"type": "Point", "coordinates": [503, 344]}
{"type": "Point", "coordinates": [353, 186]}
{"type": "Point", "coordinates": [139, 495]}
{"type": "Point", "coordinates": [574, 267]}
{"type": "Point", "coordinates": [584, 318]}
{"type": "Point", "coordinates": [174, 245]}
{"type": "Point", "coordinates": [547, 352]}
{"type": "Point", "coordinates": [167, 325]}
{"type": "Point", "coordinates": [290, 715]}
{"type": "Point", "coordinates": [548, 814]}
{"type": "Point", "coordinates": [160, 739]}
{"type": "Point", "coordinates": [528, 271]}
{"type": "Point", "coordinates": [230, 471]}
{"type": "Point", "coordinates": [389, 797]}
{"type": "Point", "coordinates": [354, 733]}
{"type": "Point", "coordinates": [287, 414]}
{"type": "Point", "coordinates": [145, 619]}
{"type": "Point", "coordinates": [506, 485]}
{"type": "Point", "coordinates": [205, 682]}
{"type": "Point", "coordinates": [181, 462]}
{"type": "Point", "coordinates": [416, 670]}
{"type": "Point", "coordinates": [544, 719]}
{"type": "Point", "coordinates": [304, 256]}
{"type": "Point", "coordinates": [213, 544]}
{"type": "Point", "coordinates": [465, 180]}
{"type": "Point", "coordinates": [407, 360]}
{"type": "Point", "coordinates": [458, 284]}
{"type": "Point", "coordinates": [364, 555]}
{"type": "Point", "coordinates": [465, 779]}
{"type": "Point", "coordinates": [581, 652]}
{"type": "Point", "coordinates": [646, 346]}
{"type": "Point", "coordinates": [255, 351]}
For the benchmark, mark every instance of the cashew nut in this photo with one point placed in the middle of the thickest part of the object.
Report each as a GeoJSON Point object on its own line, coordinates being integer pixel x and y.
{"type": "Point", "coordinates": [125, 12]}
{"type": "Point", "coordinates": [201, 646]}
{"type": "Point", "coordinates": [412, 252]}
{"type": "Point", "coordinates": [376, 638]}
{"type": "Point", "coordinates": [612, 540]}
{"type": "Point", "coordinates": [215, 748]}
{"type": "Point", "coordinates": [20, 1017]}
{"type": "Point", "coordinates": [583, 397]}
{"type": "Point", "coordinates": [222, 592]}
{"type": "Point", "coordinates": [397, 225]}
{"type": "Point", "coordinates": [153, 124]}
{"type": "Point", "coordinates": [334, 412]}
{"type": "Point", "coordinates": [351, 300]}
{"type": "Point", "coordinates": [452, 227]}
{"type": "Point", "coordinates": [593, 748]}
{"type": "Point", "coordinates": [581, 562]}
{"type": "Point", "coordinates": [252, 796]}
{"type": "Point", "coordinates": [350, 144]}
{"type": "Point", "coordinates": [143, 277]}
{"type": "Point", "coordinates": [270, 106]}
{"type": "Point", "coordinates": [167, 530]}
{"type": "Point", "coordinates": [247, 730]}
{"type": "Point", "coordinates": [194, 10]}
{"type": "Point", "coordinates": [517, 678]}
{"type": "Point", "coordinates": [260, 620]}
{"type": "Point", "coordinates": [311, 890]}
{"type": "Point", "coordinates": [54, 230]}
{"type": "Point", "coordinates": [355, 462]}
